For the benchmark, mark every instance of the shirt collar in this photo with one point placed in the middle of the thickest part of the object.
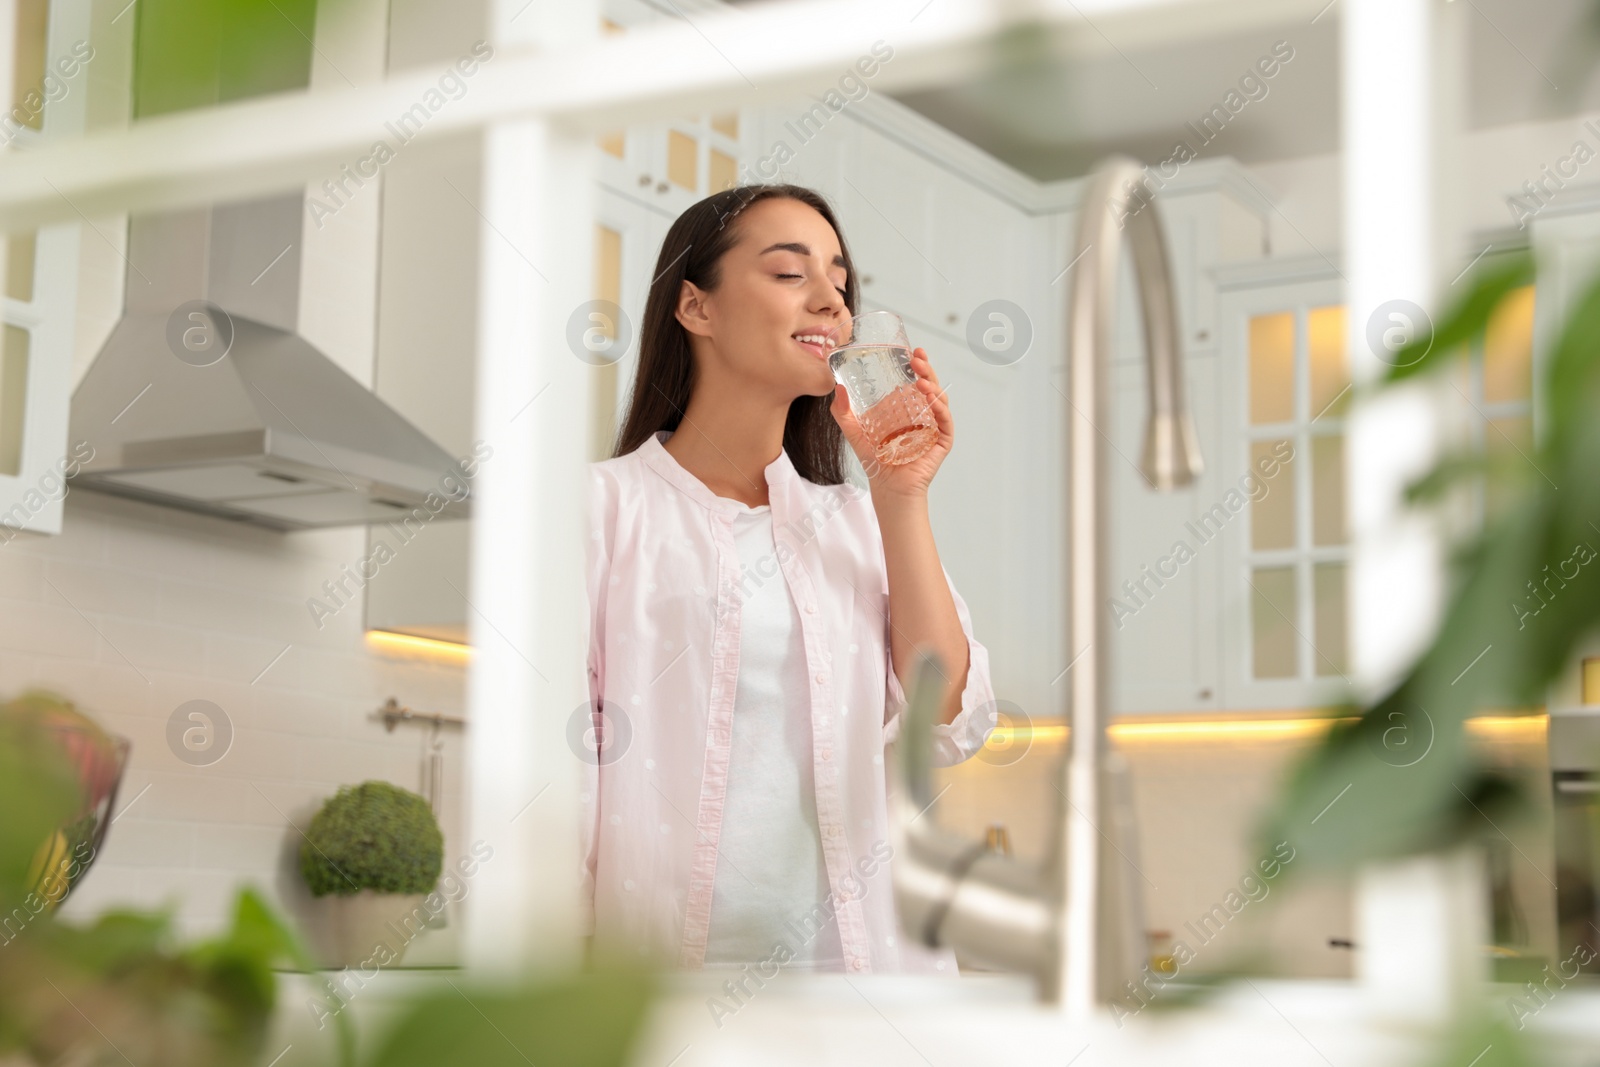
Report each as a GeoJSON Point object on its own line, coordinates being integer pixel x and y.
{"type": "Point", "coordinates": [663, 462]}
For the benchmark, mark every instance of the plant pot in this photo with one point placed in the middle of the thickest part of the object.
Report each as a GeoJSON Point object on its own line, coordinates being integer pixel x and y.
{"type": "Point", "coordinates": [361, 927]}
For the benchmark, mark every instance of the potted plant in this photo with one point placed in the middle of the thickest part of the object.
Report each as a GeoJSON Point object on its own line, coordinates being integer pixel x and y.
{"type": "Point", "coordinates": [376, 851]}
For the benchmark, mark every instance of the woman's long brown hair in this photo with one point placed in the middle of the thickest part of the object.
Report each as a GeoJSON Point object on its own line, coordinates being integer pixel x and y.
{"type": "Point", "coordinates": [664, 380]}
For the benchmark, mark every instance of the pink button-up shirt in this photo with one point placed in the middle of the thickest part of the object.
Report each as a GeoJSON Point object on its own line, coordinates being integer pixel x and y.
{"type": "Point", "coordinates": [664, 595]}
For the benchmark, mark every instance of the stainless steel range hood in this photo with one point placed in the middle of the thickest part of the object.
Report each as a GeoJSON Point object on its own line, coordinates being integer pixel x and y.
{"type": "Point", "coordinates": [205, 397]}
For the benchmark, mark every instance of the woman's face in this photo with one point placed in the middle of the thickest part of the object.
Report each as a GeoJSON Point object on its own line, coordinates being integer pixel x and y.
{"type": "Point", "coordinates": [784, 277]}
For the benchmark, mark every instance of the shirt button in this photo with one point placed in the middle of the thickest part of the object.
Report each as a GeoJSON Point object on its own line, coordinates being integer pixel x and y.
{"type": "Point", "coordinates": [821, 678]}
{"type": "Point", "coordinates": [811, 609]}
{"type": "Point", "coordinates": [858, 963]}
{"type": "Point", "coordinates": [827, 753]}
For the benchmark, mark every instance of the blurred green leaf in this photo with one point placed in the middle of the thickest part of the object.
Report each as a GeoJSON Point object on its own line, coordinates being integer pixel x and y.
{"type": "Point", "coordinates": [195, 53]}
{"type": "Point", "coordinates": [1402, 779]}
{"type": "Point", "coordinates": [39, 794]}
{"type": "Point", "coordinates": [121, 988]}
{"type": "Point", "coordinates": [1465, 321]}
{"type": "Point", "coordinates": [588, 1020]}
{"type": "Point", "coordinates": [1484, 1038]}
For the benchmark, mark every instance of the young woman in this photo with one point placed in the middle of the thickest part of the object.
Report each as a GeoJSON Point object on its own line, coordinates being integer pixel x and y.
{"type": "Point", "coordinates": [753, 614]}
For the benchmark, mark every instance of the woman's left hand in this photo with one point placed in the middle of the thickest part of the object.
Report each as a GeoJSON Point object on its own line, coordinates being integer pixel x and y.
{"type": "Point", "coordinates": [907, 481]}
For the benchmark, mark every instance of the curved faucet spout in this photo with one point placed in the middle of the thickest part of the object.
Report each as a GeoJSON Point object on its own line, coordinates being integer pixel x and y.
{"type": "Point", "coordinates": [1075, 921]}
{"type": "Point", "coordinates": [1171, 452]}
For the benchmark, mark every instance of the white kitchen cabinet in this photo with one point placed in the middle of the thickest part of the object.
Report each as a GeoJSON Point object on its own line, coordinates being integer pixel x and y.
{"type": "Point", "coordinates": [36, 344]}
{"type": "Point", "coordinates": [672, 165]}
{"type": "Point", "coordinates": [980, 244]}
{"type": "Point", "coordinates": [1164, 577]}
{"type": "Point", "coordinates": [887, 208]}
{"type": "Point", "coordinates": [1281, 375]}
{"type": "Point", "coordinates": [628, 245]}
{"type": "Point", "coordinates": [426, 355]}
{"type": "Point", "coordinates": [669, 165]}
{"type": "Point", "coordinates": [38, 306]}
{"type": "Point", "coordinates": [1167, 595]}
{"type": "Point", "coordinates": [802, 142]}
{"type": "Point", "coordinates": [1212, 215]}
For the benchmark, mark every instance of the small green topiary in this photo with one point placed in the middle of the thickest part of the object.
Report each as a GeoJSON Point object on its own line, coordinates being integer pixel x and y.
{"type": "Point", "coordinates": [372, 836]}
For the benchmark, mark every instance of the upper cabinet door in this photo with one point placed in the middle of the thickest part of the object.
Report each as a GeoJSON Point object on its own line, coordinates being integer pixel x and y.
{"type": "Point", "coordinates": [628, 240]}
{"type": "Point", "coordinates": [980, 252]}
{"type": "Point", "coordinates": [39, 285]}
{"type": "Point", "coordinates": [1280, 519]}
{"type": "Point", "coordinates": [1161, 609]}
{"type": "Point", "coordinates": [886, 207]}
{"type": "Point", "coordinates": [671, 165]}
{"type": "Point", "coordinates": [36, 378]}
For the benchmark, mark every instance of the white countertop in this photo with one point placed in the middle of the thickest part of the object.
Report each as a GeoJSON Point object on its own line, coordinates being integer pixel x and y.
{"type": "Point", "coordinates": [892, 1020]}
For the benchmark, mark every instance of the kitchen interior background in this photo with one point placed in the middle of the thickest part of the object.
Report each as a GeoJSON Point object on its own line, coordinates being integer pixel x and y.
{"type": "Point", "coordinates": [134, 609]}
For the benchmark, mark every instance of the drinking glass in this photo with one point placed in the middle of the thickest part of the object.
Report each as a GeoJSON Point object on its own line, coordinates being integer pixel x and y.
{"type": "Point", "coordinates": [873, 362]}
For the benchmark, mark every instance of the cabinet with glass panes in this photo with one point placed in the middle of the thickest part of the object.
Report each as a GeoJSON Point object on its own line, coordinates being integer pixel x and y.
{"type": "Point", "coordinates": [38, 316]}
{"type": "Point", "coordinates": [668, 165]}
{"type": "Point", "coordinates": [1284, 402]}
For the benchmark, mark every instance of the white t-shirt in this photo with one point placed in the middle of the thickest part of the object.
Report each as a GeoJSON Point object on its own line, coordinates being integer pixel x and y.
{"type": "Point", "coordinates": [770, 868]}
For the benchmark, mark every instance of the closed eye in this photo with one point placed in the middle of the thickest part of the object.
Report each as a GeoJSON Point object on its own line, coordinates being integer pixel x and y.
{"type": "Point", "coordinates": [840, 291]}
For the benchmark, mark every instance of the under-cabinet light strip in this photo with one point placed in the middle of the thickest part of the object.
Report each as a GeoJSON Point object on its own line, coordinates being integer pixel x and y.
{"type": "Point", "coordinates": [1492, 725]}
{"type": "Point", "coordinates": [425, 646]}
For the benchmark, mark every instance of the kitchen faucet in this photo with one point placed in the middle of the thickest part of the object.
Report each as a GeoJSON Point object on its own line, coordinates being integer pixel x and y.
{"type": "Point", "coordinates": [1075, 921]}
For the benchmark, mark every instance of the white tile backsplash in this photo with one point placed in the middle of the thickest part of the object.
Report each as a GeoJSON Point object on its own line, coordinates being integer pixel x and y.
{"type": "Point", "coordinates": [134, 610]}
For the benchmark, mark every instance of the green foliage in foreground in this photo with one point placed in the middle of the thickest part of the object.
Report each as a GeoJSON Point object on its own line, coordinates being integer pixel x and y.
{"type": "Point", "coordinates": [1401, 779]}
{"type": "Point", "coordinates": [589, 1020]}
{"type": "Point", "coordinates": [122, 987]}
{"type": "Point", "coordinates": [126, 989]}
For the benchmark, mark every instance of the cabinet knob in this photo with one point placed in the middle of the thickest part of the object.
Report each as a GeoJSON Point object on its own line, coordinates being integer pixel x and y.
{"type": "Point", "coordinates": [661, 187]}
{"type": "Point", "coordinates": [952, 318]}
{"type": "Point", "coordinates": [866, 279]}
{"type": "Point", "coordinates": [644, 179]}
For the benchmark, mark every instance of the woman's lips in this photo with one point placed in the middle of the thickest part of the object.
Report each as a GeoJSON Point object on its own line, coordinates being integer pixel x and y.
{"type": "Point", "coordinates": [815, 349]}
